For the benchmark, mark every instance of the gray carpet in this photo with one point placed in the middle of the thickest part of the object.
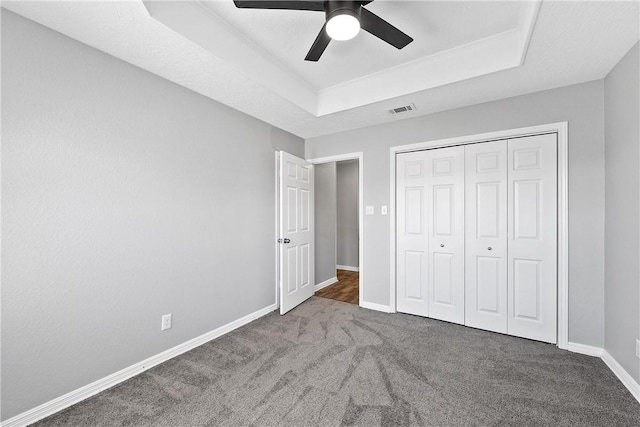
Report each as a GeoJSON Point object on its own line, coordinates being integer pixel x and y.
{"type": "Point", "coordinates": [331, 363]}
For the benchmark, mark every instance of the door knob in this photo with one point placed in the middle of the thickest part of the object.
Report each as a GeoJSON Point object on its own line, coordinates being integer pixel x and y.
{"type": "Point", "coordinates": [489, 248]}
{"type": "Point", "coordinates": [441, 245]}
{"type": "Point", "coordinates": [287, 241]}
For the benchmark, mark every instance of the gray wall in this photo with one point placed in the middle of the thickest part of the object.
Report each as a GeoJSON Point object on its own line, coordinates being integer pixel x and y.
{"type": "Point", "coordinates": [325, 221]}
{"type": "Point", "coordinates": [622, 210]}
{"type": "Point", "coordinates": [347, 194]}
{"type": "Point", "coordinates": [124, 197]}
{"type": "Point", "coordinates": [581, 105]}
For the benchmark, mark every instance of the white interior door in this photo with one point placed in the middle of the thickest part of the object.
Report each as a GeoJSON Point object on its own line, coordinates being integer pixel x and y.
{"type": "Point", "coordinates": [412, 234]}
{"type": "Point", "coordinates": [296, 231]}
{"type": "Point", "coordinates": [486, 236]}
{"type": "Point", "coordinates": [532, 224]}
{"type": "Point", "coordinates": [445, 193]}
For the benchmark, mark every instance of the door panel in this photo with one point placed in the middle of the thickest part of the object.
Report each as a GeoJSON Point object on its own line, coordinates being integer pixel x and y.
{"type": "Point", "coordinates": [442, 279]}
{"type": "Point", "coordinates": [442, 210]}
{"type": "Point", "coordinates": [412, 234]}
{"type": "Point", "coordinates": [526, 289]}
{"type": "Point", "coordinates": [413, 210]}
{"type": "Point", "coordinates": [486, 236]}
{"type": "Point", "coordinates": [489, 286]}
{"type": "Point", "coordinates": [532, 283]}
{"type": "Point", "coordinates": [296, 229]}
{"type": "Point", "coordinates": [413, 269]}
{"type": "Point", "coordinates": [488, 212]}
{"type": "Point", "coordinates": [445, 190]}
{"type": "Point", "coordinates": [526, 214]}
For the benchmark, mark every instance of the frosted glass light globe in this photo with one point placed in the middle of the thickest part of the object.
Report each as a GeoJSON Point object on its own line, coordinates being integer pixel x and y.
{"type": "Point", "coordinates": [343, 27]}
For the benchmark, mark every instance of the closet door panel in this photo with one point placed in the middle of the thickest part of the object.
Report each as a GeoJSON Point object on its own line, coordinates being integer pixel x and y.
{"type": "Point", "coordinates": [412, 234]}
{"type": "Point", "coordinates": [486, 236]}
{"type": "Point", "coordinates": [446, 233]}
{"type": "Point", "coordinates": [532, 281]}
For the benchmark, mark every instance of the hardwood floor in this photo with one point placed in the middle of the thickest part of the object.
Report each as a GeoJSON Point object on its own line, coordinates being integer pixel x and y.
{"type": "Point", "coordinates": [346, 289]}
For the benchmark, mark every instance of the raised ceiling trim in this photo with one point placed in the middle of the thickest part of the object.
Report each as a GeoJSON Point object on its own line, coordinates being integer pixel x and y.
{"type": "Point", "coordinates": [196, 22]}
{"type": "Point", "coordinates": [204, 27]}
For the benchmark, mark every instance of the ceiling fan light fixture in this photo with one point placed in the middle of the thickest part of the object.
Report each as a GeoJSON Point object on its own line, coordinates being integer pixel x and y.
{"type": "Point", "coordinates": [343, 26]}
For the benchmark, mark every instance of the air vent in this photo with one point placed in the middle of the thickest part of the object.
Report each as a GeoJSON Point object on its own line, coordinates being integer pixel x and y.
{"type": "Point", "coordinates": [403, 109]}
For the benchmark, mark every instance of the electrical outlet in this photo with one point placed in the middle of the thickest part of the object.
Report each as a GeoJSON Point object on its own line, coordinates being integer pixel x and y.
{"type": "Point", "coordinates": [166, 322]}
{"type": "Point", "coordinates": [638, 348]}
{"type": "Point", "coordinates": [369, 210]}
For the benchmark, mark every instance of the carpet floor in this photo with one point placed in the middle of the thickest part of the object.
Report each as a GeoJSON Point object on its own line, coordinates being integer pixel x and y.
{"type": "Point", "coordinates": [331, 363]}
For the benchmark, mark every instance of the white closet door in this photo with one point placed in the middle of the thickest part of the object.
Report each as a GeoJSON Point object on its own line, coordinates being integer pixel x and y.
{"type": "Point", "coordinates": [445, 192]}
{"type": "Point", "coordinates": [486, 236]}
{"type": "Point", "coordinates": [412, 233]}
{"type": "Point", "coordinates": [532, 217]}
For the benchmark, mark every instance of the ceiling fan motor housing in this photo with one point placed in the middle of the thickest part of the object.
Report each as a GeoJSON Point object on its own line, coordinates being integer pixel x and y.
{"type": "Point", "coordinates": [338, 7]}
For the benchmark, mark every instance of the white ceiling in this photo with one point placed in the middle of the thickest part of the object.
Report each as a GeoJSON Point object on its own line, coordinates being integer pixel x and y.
{"type": "Point", "coordinates": [435, 27]}
{"type": "Point", "coordinates": [464, 53]}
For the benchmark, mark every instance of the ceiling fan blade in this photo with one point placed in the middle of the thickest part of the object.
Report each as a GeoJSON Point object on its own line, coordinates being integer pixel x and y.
{"type": "Point", "coordinates": [319, 45]}
{"type": "Point", "coordinates": [383, 30]}
{"type": "Point", "coordinates": [316, 5]}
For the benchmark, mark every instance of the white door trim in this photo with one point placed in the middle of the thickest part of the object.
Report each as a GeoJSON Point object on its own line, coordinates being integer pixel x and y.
{"type": "Point", "coordinates": [561, 128]}
{"type": "Point", "coordinates": [360, 157]}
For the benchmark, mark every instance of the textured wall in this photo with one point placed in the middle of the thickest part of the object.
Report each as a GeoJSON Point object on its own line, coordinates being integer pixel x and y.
{"type": "Point", "coordinates": [347, 195]}
{"type": "Point", "coordinates": [124, 197]}
{"type": "Point", "coordinates": [325, 221]}
{"type": "Point", "coordinates": [581, 105]}
{"type": "Point", "coordinates": [622, 211]}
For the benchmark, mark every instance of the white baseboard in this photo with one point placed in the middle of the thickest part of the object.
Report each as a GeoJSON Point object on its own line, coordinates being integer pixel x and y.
{"type": "Point", "coordinates": [377, 307]}
{"type": "Point", "coordinates": [58, 404]}
{"type": "Point", "coordinates": [324, 284]}
{"type": "Point", "coordinates": [346, 267]}
{"type": "Point", "coordinates": [584, 349]}
{"type": "Point", "coordinates": [626, 379]}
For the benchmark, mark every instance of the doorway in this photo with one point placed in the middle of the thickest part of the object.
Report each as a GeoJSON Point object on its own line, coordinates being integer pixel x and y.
{"type": "Point", "coordinates": [338, 228]}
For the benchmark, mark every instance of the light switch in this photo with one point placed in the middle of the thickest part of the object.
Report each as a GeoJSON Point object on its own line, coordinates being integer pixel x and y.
{"type": "Point", "coordinates": [369, 210]}
{"type": "Point", "coordinates": [383, 210]}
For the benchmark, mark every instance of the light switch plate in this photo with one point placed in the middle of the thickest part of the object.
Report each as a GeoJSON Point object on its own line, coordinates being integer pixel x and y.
{"type": "Point", "coordinates": [166, 322]}
{"type": "Point", "coordinates": [638, 348]}
{"type": "Point", "coordinates": [369, 210]}
{"type": "Point", "coordinates": [383, 210]}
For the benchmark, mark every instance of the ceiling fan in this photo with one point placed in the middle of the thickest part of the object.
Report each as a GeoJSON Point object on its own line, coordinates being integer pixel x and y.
{"type": "Point", "coordinates": [343, 21]}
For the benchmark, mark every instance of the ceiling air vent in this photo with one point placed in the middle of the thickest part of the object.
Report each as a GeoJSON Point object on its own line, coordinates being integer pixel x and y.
{"type": "Point", "coordinates": [403, 109]}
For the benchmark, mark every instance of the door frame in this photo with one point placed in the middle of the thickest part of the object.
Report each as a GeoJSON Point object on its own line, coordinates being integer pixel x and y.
{"type": "Point", "coordinates": [561, 128]}
{"type": "Point", "coordinates": [360, 157]}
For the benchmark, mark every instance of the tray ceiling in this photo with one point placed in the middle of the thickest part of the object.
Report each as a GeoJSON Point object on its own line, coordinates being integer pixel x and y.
{"type": "Point", "coordinates": [464, 53]}
{"type": "Point", "coordinates": [453, 41]}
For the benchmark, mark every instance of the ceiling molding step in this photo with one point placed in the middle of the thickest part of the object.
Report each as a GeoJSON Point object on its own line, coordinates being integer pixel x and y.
{"type": "Point", "coordinates": [199, 24]}
{"type": "Point", "coordinates": [526, 23]}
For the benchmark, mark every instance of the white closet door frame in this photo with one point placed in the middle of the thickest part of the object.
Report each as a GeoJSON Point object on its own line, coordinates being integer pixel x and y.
{"type": "Point", "coordinates": [561, 128]}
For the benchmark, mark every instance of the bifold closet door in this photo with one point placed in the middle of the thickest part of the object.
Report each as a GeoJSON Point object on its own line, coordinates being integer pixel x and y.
{"type": "Point", "coordinates": [430, 233]}
{"type": "Point", "coordinates": [532, 223]}
{"type": "Point", "coordinates": [445, 186]}
{"type": "Point", "coordinates": [486, 236]}
{"type": "Point", "coordinates": [412, 234]}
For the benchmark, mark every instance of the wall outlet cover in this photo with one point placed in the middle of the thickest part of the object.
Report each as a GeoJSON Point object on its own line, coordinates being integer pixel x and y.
{"type": "Point", "coordinates": [369, 210]}
{"type": "Point", "coordinates": [166, 322]}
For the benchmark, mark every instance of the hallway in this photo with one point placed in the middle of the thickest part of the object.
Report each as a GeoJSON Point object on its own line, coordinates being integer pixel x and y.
{"type": "Point", "coordinates": [346, 289]}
